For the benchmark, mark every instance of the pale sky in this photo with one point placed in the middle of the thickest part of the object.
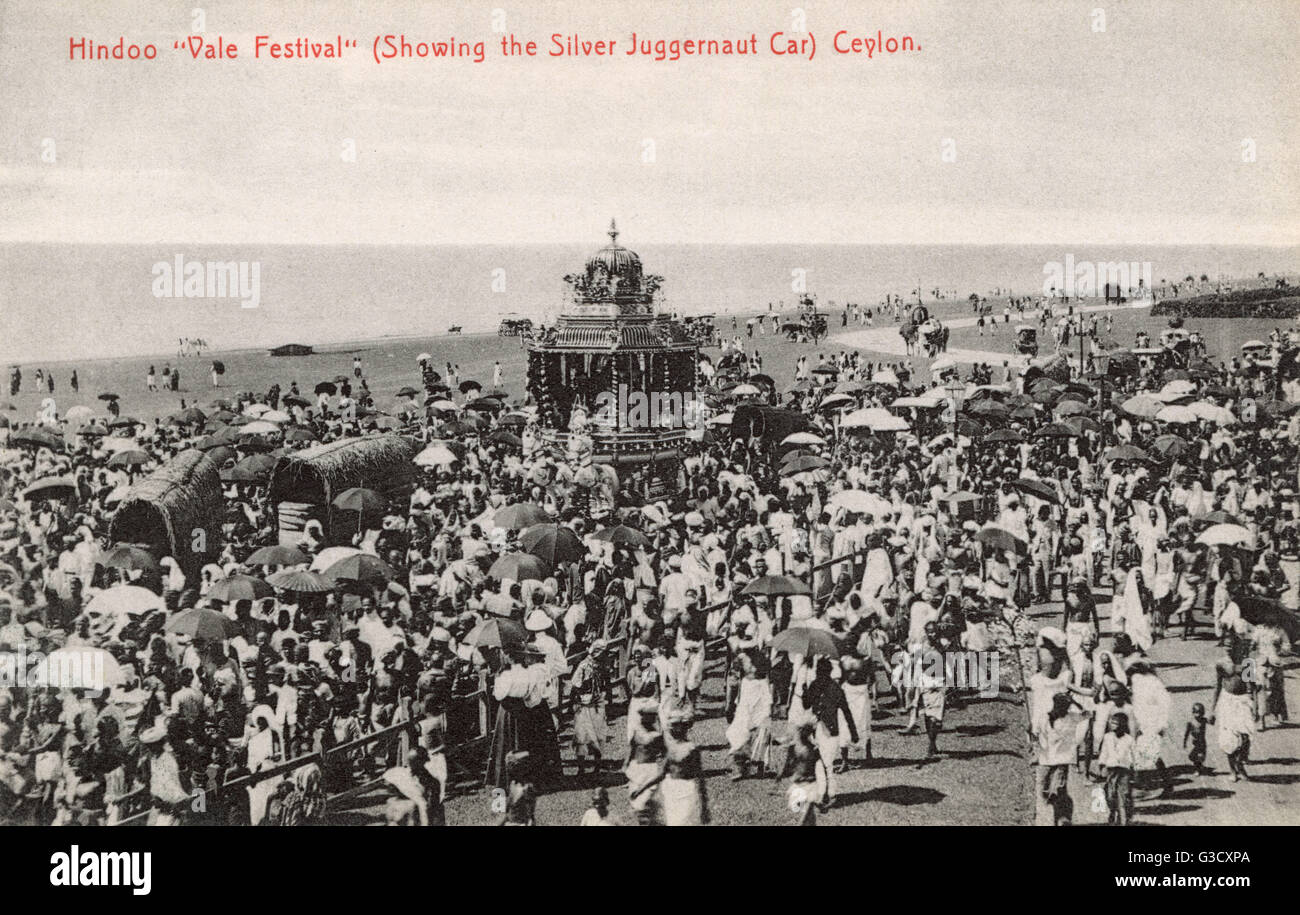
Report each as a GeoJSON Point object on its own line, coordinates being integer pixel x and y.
{"type": "Point", "coordinates": [1062, 134]}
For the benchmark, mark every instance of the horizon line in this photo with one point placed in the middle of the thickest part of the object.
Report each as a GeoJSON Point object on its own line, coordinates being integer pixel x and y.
{"type": "Point", "coordinates": [588, 241]}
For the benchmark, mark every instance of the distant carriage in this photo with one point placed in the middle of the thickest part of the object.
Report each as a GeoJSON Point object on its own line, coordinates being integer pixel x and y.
{"type": "Point", "coordinates": [703, 329]}
{"type": "Point", "coordinates": [1174, 337]}
{"type": "Point", "coordinates": [454, 329]}
{"type": "Point", "coordinates": [933, 335]}
{"type": "Point", "coordinates": [175, 511]}
{"type": "Point", "coordinates": [305, 483]}
{"type": "Point", "coordinates": [811, 324]}
{"type": "Point", "coordinates": [515, 327]}
{"type": "Point", "coordinates": [1149, 358]}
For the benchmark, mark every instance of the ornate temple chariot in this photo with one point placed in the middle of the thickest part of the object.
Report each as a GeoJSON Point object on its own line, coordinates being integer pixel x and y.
{"type": "Point", "coordinates": [615, 382]}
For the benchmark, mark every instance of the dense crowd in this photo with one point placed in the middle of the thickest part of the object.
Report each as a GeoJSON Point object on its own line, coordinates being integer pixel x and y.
{"type": "Point", "coordinates": [489, 624]}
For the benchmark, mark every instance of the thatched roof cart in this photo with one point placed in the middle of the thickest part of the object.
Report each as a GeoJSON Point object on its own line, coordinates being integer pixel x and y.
{"type": "Point", "coordinates": [175, 511]}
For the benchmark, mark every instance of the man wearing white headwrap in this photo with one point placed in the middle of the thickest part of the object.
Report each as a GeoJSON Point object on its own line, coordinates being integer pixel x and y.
{"type": "Point", "coordinates": [696, 566]}
{"type": "Point", "coordinates": [174, 579]}
{"type": "Point", "coordinates": [1148, 530]}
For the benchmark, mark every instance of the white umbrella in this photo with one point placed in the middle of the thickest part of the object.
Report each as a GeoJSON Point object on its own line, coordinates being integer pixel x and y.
{"type": "Point", "coordinates": [745, 390]}
{"type": "Point", "coordinates": [923, 402]}
{"type": "Point", "coordinates": [886, 376]}
{"type": "Point", "coordinates": [83, 667]}
{"type": "Point", "coordinates": [835, 400]}
{"type": "Point", "coordinates": [330, 555]}
{"type": "Point", "coordinates": [944, 439]}
{"type": "Point", "coordinates": [803, 438]}
{"type": "Point", "coordinates": [1180, 387]}
{"type": "Point", "coordinates": [121, 601]}
{"type": "Point", "coordinates": [275, 416]}
{"type": "Point", "coordinates": [1143, 406]}
{"type": "Point", "coordinates": [942, 364]}
{"type": "Point", "coordinates": [860, 501]}
{"type": "Point", "coordinates": [1214, 413]}
{"type": "Point", "coordinates": [423, 357]}
{"type": "Point", "coordinates": [442, 405]}
{"type": "Point", "coordinates": [1176, 415]}
{"type": "Point", "coordinates": [260, 427]}
{"type": "Point", "coordinates": [78, 412]}
{"type": "Point", "coordinates": [256, 409]}
{"type": "Point", "coordinates": [1226, 533]}
{"type": "Point", "coordinates": [114, 445]}
{"type": "Point", "coordinates": [875, 419]}
{"type": "Point", "coordinates": [722, 419]}
{"type": "Point", "coordinates": [436, 456]}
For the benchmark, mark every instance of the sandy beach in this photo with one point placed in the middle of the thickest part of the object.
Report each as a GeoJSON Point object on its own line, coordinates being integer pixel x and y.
{"type": "Point", "coordinates": [390, 363]}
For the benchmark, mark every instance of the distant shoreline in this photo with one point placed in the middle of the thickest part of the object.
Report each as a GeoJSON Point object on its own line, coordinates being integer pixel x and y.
{"type": "Point", "coordinates": [323, 349]}
{"type": "Point", "coordinates": [74, 304]}
{"type": "Point", "coordinates": [347, 347]}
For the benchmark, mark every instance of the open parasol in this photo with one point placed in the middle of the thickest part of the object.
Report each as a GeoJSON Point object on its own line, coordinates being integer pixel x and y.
{"type": "Point", "coordinates": [301, 582]}
{"type": "Point", "coordinates": [202, 623]}
{"type": "Point", "coordinates": [777, 585]}
{"type": "Point", "coordinates": [801, 640]}
{"type": "Point", "coordinates": [1001, 539]}
{"type": "Point", "coordinates": [520, 567]}
{"type": "Point", "coordinates": [278, 556]}
{"type": "Point", "coordinates": [519, 516]}
{"type": "Point", "coordinates": [362, 568]}
{"type": "Point", "coordinates": [553, 543]}
{"type": "Point", "coordinates": [622, 535]}
{"type": "Point", "coordinates": [240, 587]}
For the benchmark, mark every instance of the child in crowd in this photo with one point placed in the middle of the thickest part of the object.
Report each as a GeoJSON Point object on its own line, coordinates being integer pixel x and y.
{"type": "Point", "coordinates": [1116, 756]}
{"type": "Point", "coordinates": [598, 813]}
{"type": "Point", "coordinates": [1196, 734]}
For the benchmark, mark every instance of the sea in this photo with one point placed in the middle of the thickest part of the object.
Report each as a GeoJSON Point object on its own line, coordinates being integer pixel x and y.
{"type": "Point", "coordinates": [67, 302]}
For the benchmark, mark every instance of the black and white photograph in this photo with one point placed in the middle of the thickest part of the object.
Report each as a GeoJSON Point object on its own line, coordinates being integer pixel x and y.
{"type": "Point", "coordinates": [651, 413]}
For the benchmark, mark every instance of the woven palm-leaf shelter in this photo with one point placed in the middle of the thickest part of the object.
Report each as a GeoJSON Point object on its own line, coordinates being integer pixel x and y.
{"type": "Point", "coordinates": [175, 511]}
{"type": "Point", "coordinates": [305, 483]}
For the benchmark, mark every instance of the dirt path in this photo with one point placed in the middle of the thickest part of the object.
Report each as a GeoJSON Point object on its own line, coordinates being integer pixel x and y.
{"type": "Point", "coordinates": [1270, 798]}
{"type": "Point", "coordinates": [979, 778]}
{"type": "Point", "coordinates": [887, 340]}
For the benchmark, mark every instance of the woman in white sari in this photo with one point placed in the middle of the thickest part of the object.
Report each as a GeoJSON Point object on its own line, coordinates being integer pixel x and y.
{"type": "Point", "coordinates": [1151, 717]}
{"type": "Point", "coordinates": [1128, 615]}
{"type": "Point", "coordinates": [1198, 503]}
{"type": "Point", "coordinates": [878, 574]}
{"type": "Point", "coordinates": [263, 753]}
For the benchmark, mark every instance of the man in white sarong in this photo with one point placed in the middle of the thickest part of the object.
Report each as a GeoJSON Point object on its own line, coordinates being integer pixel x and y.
{"type": "Point", "coordinates": [748, 733]}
